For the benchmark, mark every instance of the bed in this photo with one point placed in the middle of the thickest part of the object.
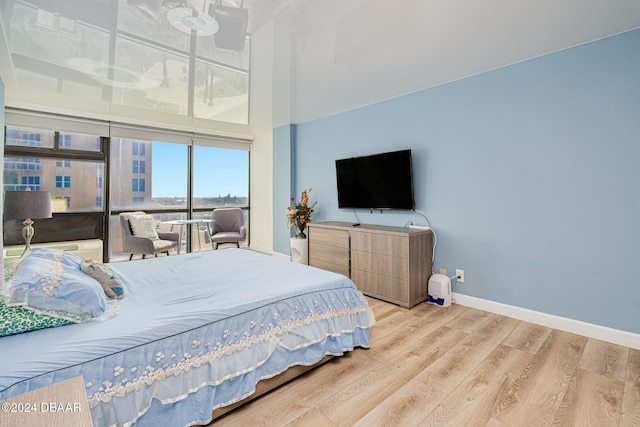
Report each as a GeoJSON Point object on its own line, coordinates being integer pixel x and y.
{"type": "Point", "coordinates": [193, 333]}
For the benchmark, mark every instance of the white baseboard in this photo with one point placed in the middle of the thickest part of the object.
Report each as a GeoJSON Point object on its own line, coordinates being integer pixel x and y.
{"type": "Point", "coordinates": [603, 333]}
{"type": "Point", "coordinates": [261, 249]}
{"type": "Point", "coordinates": [271, 252]}
{"type": "Point", "coordinates": [285, 257]}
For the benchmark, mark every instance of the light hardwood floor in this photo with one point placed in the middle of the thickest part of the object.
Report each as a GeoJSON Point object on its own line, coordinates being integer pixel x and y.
{"type": "Point", "coordinates": [459, 366]}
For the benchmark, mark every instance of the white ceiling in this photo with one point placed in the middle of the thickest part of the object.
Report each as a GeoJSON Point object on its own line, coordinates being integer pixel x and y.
{"type": "Point", "coordinates": [347, 54]}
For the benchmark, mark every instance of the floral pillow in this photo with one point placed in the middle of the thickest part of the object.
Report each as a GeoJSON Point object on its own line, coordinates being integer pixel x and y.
{"type": "Point", "coordinates": [143, 226]}
{"type": "Point", "coordinates": [44, 284]}
{"type": "Point", "coordinates": [111, 283]}
{"type": "Point", "coordinates": [57, 255]}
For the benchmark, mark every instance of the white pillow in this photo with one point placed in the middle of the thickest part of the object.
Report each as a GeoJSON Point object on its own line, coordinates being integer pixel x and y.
{"type": "Point", "coordinates": [143, 226]}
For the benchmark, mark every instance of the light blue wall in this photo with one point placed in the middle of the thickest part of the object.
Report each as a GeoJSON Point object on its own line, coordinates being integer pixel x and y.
{"type": "Point", "coordinates": [284, 175]}
{"type": "Point", "coordinates": [530, 175]}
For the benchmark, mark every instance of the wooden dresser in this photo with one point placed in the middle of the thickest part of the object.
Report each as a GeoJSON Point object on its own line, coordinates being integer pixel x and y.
{"type": "Point", "coordinates": [389, 263]}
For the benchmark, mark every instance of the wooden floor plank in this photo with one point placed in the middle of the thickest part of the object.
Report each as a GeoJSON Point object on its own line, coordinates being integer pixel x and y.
{"type": "Point", "coordinates": [309, 390]}
{"type": "Point", "coordinates": [381, 309]}
{"type": "Point", "coordinates": [528, 337]}
{"type": "Point", "coordinates": [405, 407]}
{"type": "Point", "coordinates": [356, 400]}
{"type": "Point", "coordinates": [452, 368]}
{"type": "Point", "coordinates": [470, 319]}
{"type": "Point", "coordinates": [339, 374]}
{"type": "Point", "coordinates": [393, 324]}
{"type": "Point", "coordinates": [630, 416]}
{"type": "Point", "coordinates": [605, 359]}
{"type": "Point", "coordinates": [495, 423]}
{"type": "Point", "coordinates": [268, 410]}
{"type": "Point", "coordinates": [389, 346]}
{"type": "Point", "coordinates": [473, 401]}
{"type": "Point", "coordinates": [536, 394]}
{"type": "Point", "coordinates": [590, 400]}
{"type": "Point", "coordinates": [313, 418]}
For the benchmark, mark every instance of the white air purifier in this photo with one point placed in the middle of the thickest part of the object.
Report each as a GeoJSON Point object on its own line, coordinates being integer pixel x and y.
{"type": "Point", "coordinates": [440, 290]}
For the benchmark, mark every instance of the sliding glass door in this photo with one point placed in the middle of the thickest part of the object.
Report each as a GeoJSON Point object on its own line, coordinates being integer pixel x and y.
{"type": "Point", "coordinates": [175, 181]}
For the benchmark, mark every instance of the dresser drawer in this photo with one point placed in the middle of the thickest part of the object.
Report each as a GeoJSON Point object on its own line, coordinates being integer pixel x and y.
{"type": "Point", "coordinates": [383, 265]}
{"type": "Point", "coordinates": [328, 266]}
{"type": "Point", "coordinates": [319, 252]}
{"type": "Point", "coordinates": [329, 237]}
{"type": "Point", "coordinates": [385, 287]}
{"type": "Point", "coordinates": [383, 244]}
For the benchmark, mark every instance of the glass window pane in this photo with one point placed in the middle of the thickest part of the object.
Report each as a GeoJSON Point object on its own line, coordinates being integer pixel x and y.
{"type": "Point", "coordinates": [29, 137]}
{"type": "Point", "coordinates": [150, 78]}
{"type": "Point", "coordinates": [205, 243]}
{"type": "Point", "coordinates": [221, 94]}
{"type": "Point", "coordinates": [79, 142]}
{"type": "Point", "coordinates": [220, 177]}
{"type": "Point", "coordinates": [75, 189]}
{"type": "Point", "coordinates": [160, 183]}
{"type": "Point", "coordinates": [115, 235]}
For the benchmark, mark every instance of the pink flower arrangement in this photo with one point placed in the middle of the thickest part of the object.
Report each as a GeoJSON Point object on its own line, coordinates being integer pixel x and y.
{"type": "Point", "coordinates": [300, 214]}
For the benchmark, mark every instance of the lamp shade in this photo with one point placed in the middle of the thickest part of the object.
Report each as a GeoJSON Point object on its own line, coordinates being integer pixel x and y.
{"type": "Point", "coordinates": [27, 204]}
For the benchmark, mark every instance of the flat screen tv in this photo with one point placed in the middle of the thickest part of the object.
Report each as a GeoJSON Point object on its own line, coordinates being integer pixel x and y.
{"type": "Point", "coordinates": [378, 181]}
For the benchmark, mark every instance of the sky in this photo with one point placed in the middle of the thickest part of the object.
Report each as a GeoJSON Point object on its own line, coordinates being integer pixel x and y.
{"type": "Point", "coordinates": [217, 171]}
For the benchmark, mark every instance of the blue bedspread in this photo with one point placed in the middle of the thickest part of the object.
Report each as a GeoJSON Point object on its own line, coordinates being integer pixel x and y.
{"type": "Point", "coordinates": [206, 326]}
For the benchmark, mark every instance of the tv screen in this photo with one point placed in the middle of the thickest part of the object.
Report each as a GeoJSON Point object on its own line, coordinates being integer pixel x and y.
{"type": "Point", "coordinates": [379, 181]}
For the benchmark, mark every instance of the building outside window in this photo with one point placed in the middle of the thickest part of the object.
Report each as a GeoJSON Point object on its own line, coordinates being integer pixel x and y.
{"type": "Point", "coordinates": [65, 141]}
{"type": "Point", "coordinates": [31, 182]}
{"type": "Point", "coordinates": [138, 185]}
{"type": "Point", "coordinates": [139, 166]}
{"type": "Point", "coordinates": [25, 164]}
{"type": "Point", "coordinates": [63, 181]}
{"type": "Point", "coordinates": [30, 164]}
{"type": "Point", "coordinates": [31, 139]}
{"type": "Point", "coordinates": [139, 148]}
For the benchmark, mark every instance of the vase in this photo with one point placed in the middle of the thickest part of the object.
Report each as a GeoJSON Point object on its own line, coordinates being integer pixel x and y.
{"type": "Point", "coordinates": [300, 227]}
{"type": "Point", "coordinates": [299, 250]}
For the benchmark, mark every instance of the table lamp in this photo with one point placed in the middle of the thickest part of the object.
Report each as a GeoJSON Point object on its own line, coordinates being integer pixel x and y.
{"type": "Point", "coordinates": [29, 205]}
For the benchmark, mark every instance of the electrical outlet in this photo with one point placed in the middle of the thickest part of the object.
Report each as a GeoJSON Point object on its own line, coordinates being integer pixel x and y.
{"type": "Point", "coordinates": [443, 271]}
{"type": "Point", "coordinates": [460, 276]}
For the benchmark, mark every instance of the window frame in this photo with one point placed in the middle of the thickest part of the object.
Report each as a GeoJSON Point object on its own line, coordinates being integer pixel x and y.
{"type": "Point", "coordinates": [74, 125]}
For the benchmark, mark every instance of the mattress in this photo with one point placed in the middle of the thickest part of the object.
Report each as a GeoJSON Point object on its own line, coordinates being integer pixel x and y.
{"type": "Point", "coordinates": [194, 332]}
